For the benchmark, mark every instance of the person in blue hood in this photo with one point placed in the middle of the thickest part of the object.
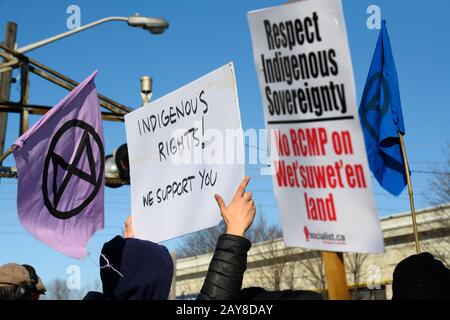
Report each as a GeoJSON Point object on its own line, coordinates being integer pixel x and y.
{"type": "Point", "coordinates": [134, 269]}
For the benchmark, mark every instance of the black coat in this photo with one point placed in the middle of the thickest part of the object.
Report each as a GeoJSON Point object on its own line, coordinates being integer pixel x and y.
{"type": "Point", "coordinates": [226, 270]}
{"type": "Point", "coordinates": [223, 280]}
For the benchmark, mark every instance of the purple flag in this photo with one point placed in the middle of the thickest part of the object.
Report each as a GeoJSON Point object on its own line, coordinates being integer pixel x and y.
{"type": "Point", "coordinates": [60, 167]}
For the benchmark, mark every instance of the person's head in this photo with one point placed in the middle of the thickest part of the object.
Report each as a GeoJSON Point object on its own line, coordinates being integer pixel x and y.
{"type": "Point", "coordinates": [421, 276]}
{"type": "Point", "coordinates": [20, 282]}
{"type": "Point", "coordinates": [145, 268]}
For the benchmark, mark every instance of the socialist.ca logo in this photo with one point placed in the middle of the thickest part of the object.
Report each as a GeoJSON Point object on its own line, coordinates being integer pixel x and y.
{"type": "Point", "coordinates": [60, 173]}
{"type": "Point", "coordinates": [306, 231]}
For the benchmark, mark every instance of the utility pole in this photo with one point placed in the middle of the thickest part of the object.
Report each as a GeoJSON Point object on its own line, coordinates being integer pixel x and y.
{"type": "Point", "coordinates": [5, 82]}
{"type": "Point", "coordinates": [24, 71]}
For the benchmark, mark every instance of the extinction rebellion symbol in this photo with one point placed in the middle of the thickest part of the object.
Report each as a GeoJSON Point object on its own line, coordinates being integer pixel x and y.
{"type": "Point", "coordinates": [93, 177]}
{"type": "Point", "coordinates": [373, 104]}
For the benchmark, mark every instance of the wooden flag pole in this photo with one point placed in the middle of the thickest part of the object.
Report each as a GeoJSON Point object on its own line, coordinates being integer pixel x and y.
{"type": "Point", "coordinates": [410, 193]}
{"type": "Point", "coordinates": [7, 153]}
{"type": "Point", "coordinates": [336, 276]}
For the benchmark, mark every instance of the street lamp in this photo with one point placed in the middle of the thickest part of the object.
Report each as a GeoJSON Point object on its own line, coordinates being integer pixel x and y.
{"type": "Point", "coordinates": [153, 25]}
{"type": "Point", "coordinates": [117, 167]}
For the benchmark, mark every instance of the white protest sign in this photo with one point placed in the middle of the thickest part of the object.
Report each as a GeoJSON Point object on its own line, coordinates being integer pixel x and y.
{"type": "Point", "coordinates": [184, 148]}
{"type": "Point", "coordinates": [321, 176]}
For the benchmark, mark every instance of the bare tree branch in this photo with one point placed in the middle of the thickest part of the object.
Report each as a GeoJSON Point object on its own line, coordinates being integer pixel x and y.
{"type": "Point", "coordinates": [204, 241]}
{"type": "Point", "coordinates": [353, 264]}
{"type": "Point", "coordinates": [438, 194]}
{"type": "Point", "coordinates": [315, 272]}
{"type": "Point", "coordinates": [58, 290]}
{"type": "Point", "coordinates": [200, 242]}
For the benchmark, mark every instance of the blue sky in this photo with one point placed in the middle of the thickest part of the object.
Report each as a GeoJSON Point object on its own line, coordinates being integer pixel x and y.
{"type": "Point", "coordinates": [204, 35]}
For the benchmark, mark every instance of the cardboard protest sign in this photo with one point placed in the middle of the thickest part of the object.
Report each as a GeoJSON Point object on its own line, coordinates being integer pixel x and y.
{"type": "Point", "coordinates": [184, 148]}
{"type": "Point", "coordinates": [321, 177]}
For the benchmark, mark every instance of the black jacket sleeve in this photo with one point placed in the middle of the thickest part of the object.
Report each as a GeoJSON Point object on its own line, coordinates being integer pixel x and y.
{"type": "Point", "coordinates": [226, 270]}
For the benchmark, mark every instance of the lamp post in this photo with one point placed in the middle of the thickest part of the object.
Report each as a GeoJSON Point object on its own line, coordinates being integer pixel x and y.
{"type": "Point", "coordinates": [153, 25]}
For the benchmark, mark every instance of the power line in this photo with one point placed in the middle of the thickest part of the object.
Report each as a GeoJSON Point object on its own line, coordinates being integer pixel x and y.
{"type": "Point", "coordinates": [427, 161]}
{"type": "Point", "coordinates": [255, 147]}
{"type": "Point", "coordinates": [431, 172]}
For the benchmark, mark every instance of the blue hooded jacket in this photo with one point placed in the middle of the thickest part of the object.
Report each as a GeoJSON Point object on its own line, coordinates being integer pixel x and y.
{"type": "Point", "coordinates": [147, 270]}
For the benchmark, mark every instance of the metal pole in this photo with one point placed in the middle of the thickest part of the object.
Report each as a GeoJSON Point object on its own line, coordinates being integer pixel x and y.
{"type": "Point", "coordinates": [16, 107]}
{"type": "Point", "coordinates": [68, 33]}
{"type": "Point", "coordinates": [410, 193]}
{"type": "Point", "coordinates": [63, 81]}
{"type": "Point", "coordinates": [5, 83]}
{"type": "Point", "coordinates": [334, 266]}
{"type": "Point", "coordinates": [102, 99]}
{"type": "Point", "coordinates": [75, 83]}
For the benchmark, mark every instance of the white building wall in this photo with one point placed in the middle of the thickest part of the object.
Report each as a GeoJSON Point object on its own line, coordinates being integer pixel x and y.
{"type": "Point", "coordinates": [434, 229]}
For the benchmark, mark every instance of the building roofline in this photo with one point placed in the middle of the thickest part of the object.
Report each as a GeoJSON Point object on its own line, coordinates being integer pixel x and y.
{"type": "Point", "coordinates": [423, 210]}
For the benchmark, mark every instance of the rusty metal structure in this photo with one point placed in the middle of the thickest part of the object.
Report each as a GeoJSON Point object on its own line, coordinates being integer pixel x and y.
{"type": "Point", "coordinates": [114, 111]}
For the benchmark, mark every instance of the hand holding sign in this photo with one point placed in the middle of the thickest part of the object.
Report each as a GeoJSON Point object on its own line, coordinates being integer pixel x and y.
{"type": "Point", "coordinates": [239, 214]}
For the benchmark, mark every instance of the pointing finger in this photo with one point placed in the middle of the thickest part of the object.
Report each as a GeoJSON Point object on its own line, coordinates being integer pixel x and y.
{"type": "Point", "coordinates": [240, 191]}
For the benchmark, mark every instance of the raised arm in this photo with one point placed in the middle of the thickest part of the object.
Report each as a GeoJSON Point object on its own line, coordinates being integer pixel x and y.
{"type": "Point", "coordinates": [226, 270]}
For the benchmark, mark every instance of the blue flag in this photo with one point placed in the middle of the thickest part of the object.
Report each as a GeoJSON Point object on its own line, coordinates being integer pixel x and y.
{"type": "Point", "coordinates": [381, 118]}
